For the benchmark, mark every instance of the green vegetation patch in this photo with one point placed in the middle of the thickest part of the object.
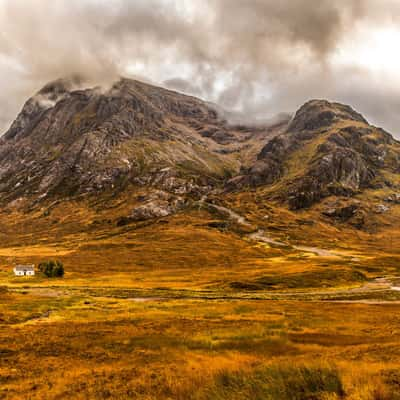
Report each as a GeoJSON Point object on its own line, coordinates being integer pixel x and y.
{"type": "Point", "coordinates": [277, 383]}
{"type": "Point", "coordinates": [305, 280]}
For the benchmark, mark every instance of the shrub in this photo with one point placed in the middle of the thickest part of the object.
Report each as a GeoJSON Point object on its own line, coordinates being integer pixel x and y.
{"type": "Point", "coordinates": [52, 269]}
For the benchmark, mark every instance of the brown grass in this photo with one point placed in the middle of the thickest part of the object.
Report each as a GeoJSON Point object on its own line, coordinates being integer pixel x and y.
{"type": "Point", "coordinates": [85, 336]}
{"type": "Point", "coordinates": [74, 347]}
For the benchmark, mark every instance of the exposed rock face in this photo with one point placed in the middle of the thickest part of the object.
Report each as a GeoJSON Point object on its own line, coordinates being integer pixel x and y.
{"type": "Point", "coordinates": [328, 149]}
{"type": "Point", "coordinates": [382, 209]}
{"type": "Point", "coordinates": [45, 99]}
{"type": "Point", "coordinates": [344, 212]}
{"type": "Point", "coordinates": [159, 204]}
{"type": "Point", "coordinates": [393, 198]}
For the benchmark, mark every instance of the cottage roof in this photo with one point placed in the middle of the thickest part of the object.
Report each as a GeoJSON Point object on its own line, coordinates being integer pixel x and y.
{"type": "Point", "coordinates": [25, 267]}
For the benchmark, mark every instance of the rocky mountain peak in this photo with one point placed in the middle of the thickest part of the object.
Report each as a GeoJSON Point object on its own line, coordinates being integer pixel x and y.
{"type": "Point", "coordinates": [61, 86]}
{"type": "Point", "coordinates": [317, 114]}
{"type": "Point", "coordinates": [45, 99]}
{"type": "Point", "coordinates": [70, 140]}
{"type": "Point", "coordinates": [327, 150]}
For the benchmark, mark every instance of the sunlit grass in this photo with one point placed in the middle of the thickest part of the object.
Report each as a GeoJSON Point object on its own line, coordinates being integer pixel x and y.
{"type": "Point", "coordinates": [179, 309]}
{"type": "Point", "coordinates": [102, 347]}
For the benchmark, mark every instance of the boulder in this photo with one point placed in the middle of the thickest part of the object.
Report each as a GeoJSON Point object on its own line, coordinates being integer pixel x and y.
{"type": "Point", "coordinates": [393, 198]}
{"type": "Point", "coordinates": [382, 209]}
{"type": "Point", "coordinates": [343, 213]}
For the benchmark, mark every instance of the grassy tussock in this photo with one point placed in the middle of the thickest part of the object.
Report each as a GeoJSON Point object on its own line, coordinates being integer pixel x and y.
{"type": "Point", "coordinates": [277, 383]}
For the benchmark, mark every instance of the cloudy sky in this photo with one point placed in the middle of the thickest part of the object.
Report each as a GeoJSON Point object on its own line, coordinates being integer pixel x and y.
{"type": "Point", "coordinates": [261, 57]}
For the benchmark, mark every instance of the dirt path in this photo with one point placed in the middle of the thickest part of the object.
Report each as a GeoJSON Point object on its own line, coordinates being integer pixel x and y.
{"type": "Point", "coordinates": [380, 290]}
{"type": "Point", "coordinates": [230, 214]}
{"type": "Point", "coordinates": [261, 236]}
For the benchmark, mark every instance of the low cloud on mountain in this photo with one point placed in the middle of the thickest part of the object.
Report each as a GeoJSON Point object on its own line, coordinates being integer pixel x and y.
{"type": "Point", "coordinates": [259, 57]}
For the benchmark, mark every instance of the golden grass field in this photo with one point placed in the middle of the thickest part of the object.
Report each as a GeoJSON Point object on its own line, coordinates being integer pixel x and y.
{"type": "Point", "coordinates": [179, 309]}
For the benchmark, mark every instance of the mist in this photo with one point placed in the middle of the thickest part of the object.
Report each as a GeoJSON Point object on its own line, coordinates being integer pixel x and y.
{"type": "Point", "coordinates": [256, 57]}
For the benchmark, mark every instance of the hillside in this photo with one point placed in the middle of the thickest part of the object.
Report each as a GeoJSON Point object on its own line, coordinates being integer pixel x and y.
{"type": "Point", "coordinates": [82, 164]}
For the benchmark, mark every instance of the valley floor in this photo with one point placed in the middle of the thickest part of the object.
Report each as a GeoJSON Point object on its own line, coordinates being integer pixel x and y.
{"type": "Point", "coordinates": [60, 343]}
{"type": "Point", "coordinates": [198, 307]}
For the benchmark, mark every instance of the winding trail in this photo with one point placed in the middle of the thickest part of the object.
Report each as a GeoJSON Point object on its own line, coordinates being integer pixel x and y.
{"type": "Point", "coordinates": [260, 235]}
{"type": "Point", "coordinates": [229, 213]}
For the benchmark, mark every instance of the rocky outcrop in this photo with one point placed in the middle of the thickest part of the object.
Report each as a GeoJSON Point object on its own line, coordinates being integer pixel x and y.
{"type": "Point", "coordinates": [382, 209]}
{"type": "Point", "coordinates": [352, 212]}
{"type": "Point", "coordinates": [342, 212]}
{"type": "Point", "coordinates": [393, 198]}
{"type": "Point", "coordinates": [317, 114]}
{"type": "Point", "coordinates": [157, 204]}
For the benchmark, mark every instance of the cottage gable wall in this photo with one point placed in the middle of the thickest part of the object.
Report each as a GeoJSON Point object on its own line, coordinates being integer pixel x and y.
{"type": "Point", "coordinates": [24, 270]}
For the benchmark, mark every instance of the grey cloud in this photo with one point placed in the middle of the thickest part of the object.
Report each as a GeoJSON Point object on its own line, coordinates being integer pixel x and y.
{"type": "Point", "coordinates": [182, 85]}
{"type": "Point", "coordinates": [257, 56]}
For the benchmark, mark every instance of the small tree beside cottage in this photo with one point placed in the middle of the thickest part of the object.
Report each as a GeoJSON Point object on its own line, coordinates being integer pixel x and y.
{"type": "Point", "coordinates": [52, 269]}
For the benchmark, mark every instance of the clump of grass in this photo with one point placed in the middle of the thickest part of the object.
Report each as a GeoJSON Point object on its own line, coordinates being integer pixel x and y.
{"type": "Point", "coordinates": [392, 390]}
{"type": "Point", "coordinates": [312, 279]}
{"type": "Point", "coordinates": [277, 383]}
{"type": "Point", "coordinates": [303, 280]}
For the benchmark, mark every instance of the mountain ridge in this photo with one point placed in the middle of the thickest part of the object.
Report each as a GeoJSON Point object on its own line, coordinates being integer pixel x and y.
{"type": "Point", "coordinates": [97, 137]}
{"type": "Point", "coordinates": [176, 149]}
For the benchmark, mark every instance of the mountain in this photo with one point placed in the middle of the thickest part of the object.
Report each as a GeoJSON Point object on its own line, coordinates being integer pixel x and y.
{"type": "Point", "coordinates": [174, 151]}
{"type": "Point", "coordinates": [328, 149]}
{"type": "Point", "coordinates": [69, 141]}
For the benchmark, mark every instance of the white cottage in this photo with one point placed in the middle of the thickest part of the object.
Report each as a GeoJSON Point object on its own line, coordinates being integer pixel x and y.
{"type": "Point", "coordinates": [24, 270]}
